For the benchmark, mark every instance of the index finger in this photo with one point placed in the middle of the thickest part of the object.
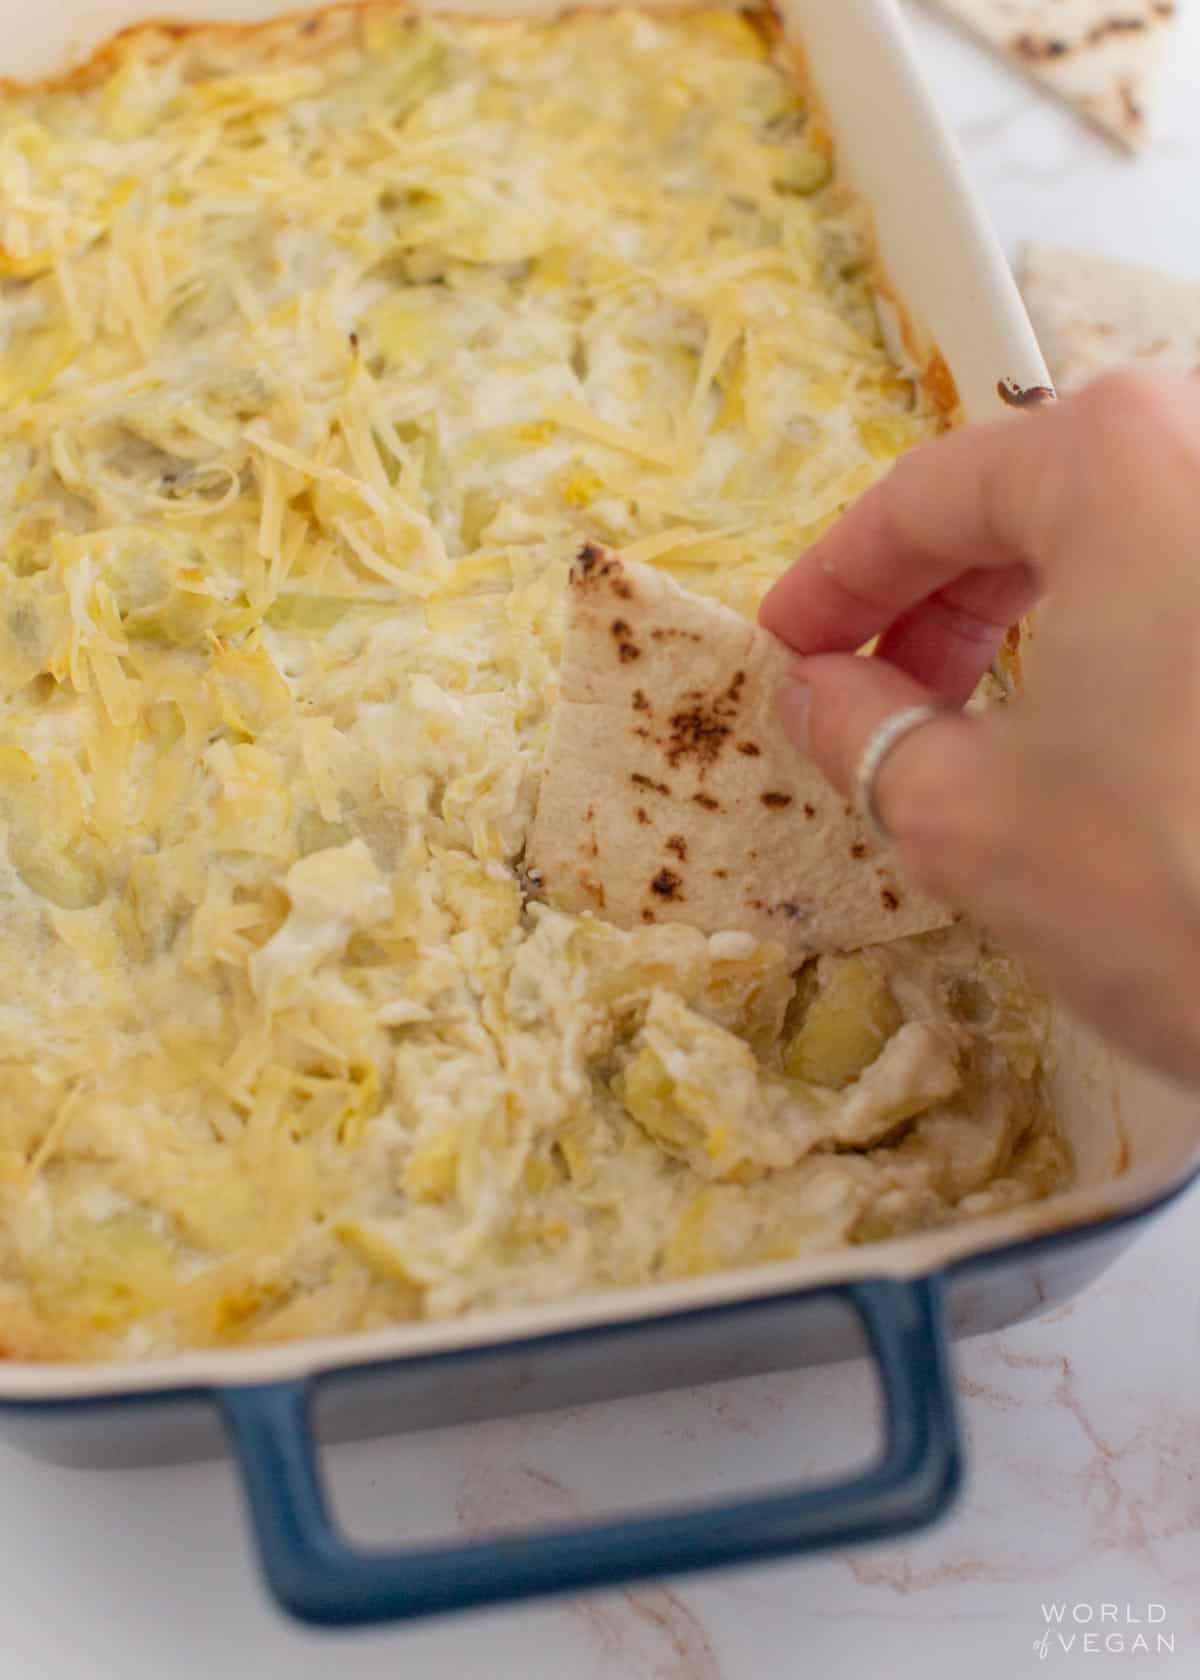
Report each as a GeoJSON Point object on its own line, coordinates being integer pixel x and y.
{"type": "Point", "coordinates": [964, 507]}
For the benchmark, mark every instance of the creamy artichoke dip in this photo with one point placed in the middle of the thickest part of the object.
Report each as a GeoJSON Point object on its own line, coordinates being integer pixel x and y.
{"type": "Point", "coordinates": [322, 349]}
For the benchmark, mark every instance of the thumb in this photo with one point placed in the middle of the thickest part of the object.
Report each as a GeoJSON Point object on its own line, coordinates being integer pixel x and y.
{"type": "Point", "coordinates": [934, 791]}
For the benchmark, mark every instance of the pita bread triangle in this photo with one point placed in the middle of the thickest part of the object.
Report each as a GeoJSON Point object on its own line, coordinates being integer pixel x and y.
{"type": "Point", "coordinates": [670, 791]}
{"type": "Point", "coordinates": [1091, 314]}
{"type": "Point", "coordinates": [1098, 55]}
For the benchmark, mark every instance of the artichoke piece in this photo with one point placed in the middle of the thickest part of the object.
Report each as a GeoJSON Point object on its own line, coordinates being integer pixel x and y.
{"type": "Point", "coordinates": [479, 508]}
{"type": "Point", "coordinates": [847, 1025]}
{"type": "Point", "coordinates": [63, 875]}
{"type": "Point", "coordinates": [161, 592]}
{"type": "Point", "coordinates": [478, 898]}
{"type": "Point", "coordinates": [102, 1277]}
{"type": "Point", "coordinates": [33, 362]}
{"type": "Point", "coordinates": [30, 622]}
{"type": "Point", "coordinates": [999, 1003]}
{"type": "Point", "coordinates": [305, 611]}
{"type": "Point", "coordinates": [804, 169]}
{"type": "Point", "coordinates": [647, 1091]}
{"type": "Point", "coordinates": [431, 1171]}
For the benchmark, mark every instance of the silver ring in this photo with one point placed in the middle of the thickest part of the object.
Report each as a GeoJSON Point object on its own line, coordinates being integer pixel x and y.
{"type": "Point", "coordinates": [889, 734]}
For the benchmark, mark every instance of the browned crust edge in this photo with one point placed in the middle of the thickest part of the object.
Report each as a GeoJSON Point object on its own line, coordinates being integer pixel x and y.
{"type": "Point", "coordinates": [107, 58]}
{"type": "Point", "coordinates": [932, 372]}
{"type": "Point", "coordinates": [316, 28]}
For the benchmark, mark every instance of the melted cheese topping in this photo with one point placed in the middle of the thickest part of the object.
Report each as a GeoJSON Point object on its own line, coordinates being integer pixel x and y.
{"type": "Point", "coordinates": [321, 352]}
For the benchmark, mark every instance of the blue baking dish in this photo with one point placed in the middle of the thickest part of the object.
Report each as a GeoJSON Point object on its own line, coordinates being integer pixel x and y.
{"type": "Point", "coordinates": [320, 1577]}
{"type": "Point", "coordinates": [950, 309]}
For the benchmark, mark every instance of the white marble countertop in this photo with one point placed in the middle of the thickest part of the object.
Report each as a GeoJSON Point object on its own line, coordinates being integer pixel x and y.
{"type": "Point", "coordinates": [1083, 1428]}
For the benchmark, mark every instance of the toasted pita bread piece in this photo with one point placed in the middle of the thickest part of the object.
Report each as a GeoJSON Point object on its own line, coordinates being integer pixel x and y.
{"type": "Point", "coordinates": [1098, 55]}
{"type": "Point", "coordinates": [670, 791]}
{"type": "Point", "coordinates": [1092, 314]}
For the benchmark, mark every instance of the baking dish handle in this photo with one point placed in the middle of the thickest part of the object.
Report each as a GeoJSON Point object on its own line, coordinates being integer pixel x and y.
{"type": "Point", "coordinates": [318, 1576]}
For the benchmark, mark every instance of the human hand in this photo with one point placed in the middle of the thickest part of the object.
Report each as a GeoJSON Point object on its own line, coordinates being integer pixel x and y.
{"type": "Point", "coordinates": [1066, 821]}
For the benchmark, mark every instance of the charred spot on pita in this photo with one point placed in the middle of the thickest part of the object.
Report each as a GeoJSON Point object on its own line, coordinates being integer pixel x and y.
{"type": "Point", "coordinates": [621, 633]}
{"type": "Point", "coordinates": [1038, 48]}
{"type": "Point", "coordinates": [594, 563]}
{"type": "Point", "coordinates": [667, 884]}
{"type": "Point", "coordinates": [1099, 32]}
{"type": "Point", "coordinates": [1129, 104]}
{"type": "Point", "coordinates": [699, 731]}
{"type": "Point", "coordinates": [696, 734]}
{"type": "Point", "coordinates": [776, 801]}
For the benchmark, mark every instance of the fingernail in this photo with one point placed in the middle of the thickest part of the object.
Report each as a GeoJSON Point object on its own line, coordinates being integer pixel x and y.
{"type": "Point", "coordinates": [795, 705]}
